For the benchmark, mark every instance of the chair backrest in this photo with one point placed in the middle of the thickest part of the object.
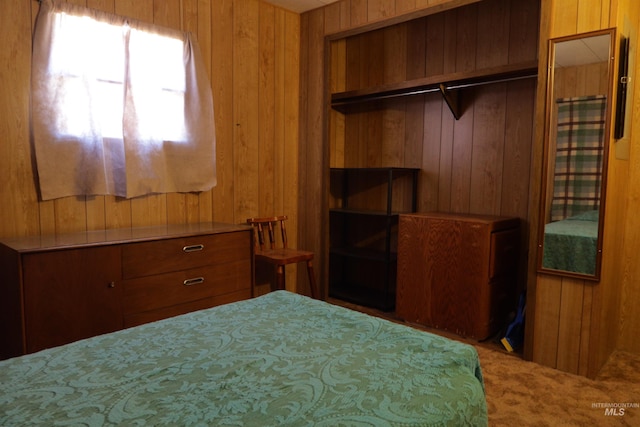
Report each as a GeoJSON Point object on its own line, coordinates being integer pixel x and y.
{"type": "Point", "coordinates": [269, 223]}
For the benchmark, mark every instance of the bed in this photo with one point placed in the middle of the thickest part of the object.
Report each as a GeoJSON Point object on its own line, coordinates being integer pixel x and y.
{"type": "Point", "coordinates": [570, 244]}
{"type": "Point", "coordinates": [278, 359]}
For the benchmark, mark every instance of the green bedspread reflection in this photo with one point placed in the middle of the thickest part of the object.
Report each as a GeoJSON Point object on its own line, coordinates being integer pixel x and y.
{"type": "Point", "coordinates": [570, 244]}
{"type": "Point", "coordinates": [280, 359]}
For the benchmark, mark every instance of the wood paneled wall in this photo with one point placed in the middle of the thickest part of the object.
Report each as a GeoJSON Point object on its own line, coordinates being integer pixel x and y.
{"type": "Point", "coordinates": [477, 164]}
{"type": "Point", "coordinates": [576, 323]}
{"type": "Point", "coordinates": [625, 246]}
{"type": "Point", "coordinates": [252, 53]}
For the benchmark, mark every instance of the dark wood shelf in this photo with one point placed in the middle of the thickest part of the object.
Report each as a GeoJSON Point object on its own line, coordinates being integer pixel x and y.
{"type": "Point", "coordinates": [377, 169]}
{"type": "Point", "coordinates": [448, 85]}
{"type": "Point", "coordinates": [364, 212]}
{"type": "Point", "coordinates": [365, 254]}
{"type": "Point", "coordinates": [363, 295]}
{"type": "Point", "coordinates": [363, 231]}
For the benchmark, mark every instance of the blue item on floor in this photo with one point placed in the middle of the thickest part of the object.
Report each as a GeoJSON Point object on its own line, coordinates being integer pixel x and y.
{"type": "Point", "coordinates": [514, 336]}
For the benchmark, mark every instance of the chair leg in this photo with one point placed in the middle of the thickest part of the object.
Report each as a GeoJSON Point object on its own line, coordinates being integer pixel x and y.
{"type": "Point", "coordinates": [280, 277]}
{"type": "Point", "coordinates": [312, 280]}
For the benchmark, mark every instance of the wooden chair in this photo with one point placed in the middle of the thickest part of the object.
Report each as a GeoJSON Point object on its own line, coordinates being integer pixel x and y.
{"type": "Point", "coordinates": [280, 257]}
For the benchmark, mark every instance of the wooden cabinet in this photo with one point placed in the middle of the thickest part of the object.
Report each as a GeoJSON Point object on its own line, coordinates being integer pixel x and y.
{"type": "Point", "coordinates": [363, 232]}
{"type": "Point", "coordinates": [70, 294]}
{"type": "Point", "coordinates": [457, 272]}
{"type": "Point", "coordinates": [59, 289]}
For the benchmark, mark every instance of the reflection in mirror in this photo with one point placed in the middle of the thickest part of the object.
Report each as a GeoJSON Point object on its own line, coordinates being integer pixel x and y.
{"type": "Point", "coordinates": [578, 110]}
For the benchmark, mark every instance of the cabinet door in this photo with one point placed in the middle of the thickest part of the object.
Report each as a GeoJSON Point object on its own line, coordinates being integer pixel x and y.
{"type": "Point", "coordinates": [415, 272]}
{"type": "Point", "coordinates": [71, 295]}
{"type": "Point", "coordinates": [461, 294]}
{"type": "Point", "coordinates": [442, 273]}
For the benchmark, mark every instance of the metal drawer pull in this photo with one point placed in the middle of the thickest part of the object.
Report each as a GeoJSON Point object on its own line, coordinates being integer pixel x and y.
{"type": "Point", "coordinates": [195, 281]}
{"type": "Point", "coordinates": [193, 248]}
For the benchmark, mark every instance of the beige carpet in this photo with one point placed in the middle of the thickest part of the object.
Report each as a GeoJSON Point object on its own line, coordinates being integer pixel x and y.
{"type": "Point", "coordinates": [521, 393]}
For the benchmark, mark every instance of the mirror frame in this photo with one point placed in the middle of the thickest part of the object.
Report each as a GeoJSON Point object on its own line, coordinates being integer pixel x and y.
{"type": "Point", "coordinates": [547, 147]}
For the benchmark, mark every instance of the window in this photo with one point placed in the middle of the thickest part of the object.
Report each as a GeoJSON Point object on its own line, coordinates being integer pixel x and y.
{"type": "Point", "coordinates": [119, 106]}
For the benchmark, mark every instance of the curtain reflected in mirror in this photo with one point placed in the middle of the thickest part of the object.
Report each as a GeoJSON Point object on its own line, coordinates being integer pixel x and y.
{"type": "Point", "coordinates": [578, 110]}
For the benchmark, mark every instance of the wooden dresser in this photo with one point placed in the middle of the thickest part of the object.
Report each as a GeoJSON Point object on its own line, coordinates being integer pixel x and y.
{"type": "Point", "coordinates": [62, 288]}
{"type": "Point", "coordinates": [457, 272]}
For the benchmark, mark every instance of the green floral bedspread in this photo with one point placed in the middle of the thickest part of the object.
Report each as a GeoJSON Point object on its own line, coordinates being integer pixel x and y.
{"type": "Point", "coordinates": [571, 244]}
{"type": "Point", "coordinates": [278, 360]}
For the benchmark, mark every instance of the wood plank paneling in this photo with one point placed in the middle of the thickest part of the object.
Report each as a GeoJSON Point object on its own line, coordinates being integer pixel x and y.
{"type": "Point", "coordinates": [245, 108]}
{"type": "Point", "coordinates": [547, 318]}
{"type": "Point", "coordinates": [462, 149]}
{"type": "Point", "coordinates": [517, 150]}
{"type": "Point", "coordinates": [565, 19]}
{"type": "Point", "coordinates": [222, 77]}
{"type": "Point", "coordinates": [436, 35]}
{"type": "Point", "coordinates": [536, 178]}
{"type": "Point", "coordinates": [570, 324]}
{"type": "Point", "coordinates": [358, 12]}
{"type": "Point", "coordinates": [585, 331]}
{"type": "Point", "coordinates": [266, 154]}
{"type": "Point", "coordinates": [363, 59]}
{"type": "Point", "coordinates": [288, 132]}
{"type": "Point", "coordinates": [280, 116]}
{"type": "Point", "coordinates": [467, 38]}
{"type": "Point", "coordinates": [488, 149]}
{"type": "Point", "coordinates": [338, 56]}
{"type": "Point", "coordinates": [494, 33]}
{"type": "Point", "coordinates": [591, 315]}
{"type": "Point", "coordinates": [403, 6]}
{"type": "Point", "coordinates": [429, 178]}
{"type": "Point", "coordinates": [591, 15]}
{"type": "Point", "coordinates": [313, 158]}
{"type": "Point", "coordinates": [19, 214]}
{"type": "Point", "coordinates": [629, 273]}
{"type": "Point", "coordinates": [380, 9]}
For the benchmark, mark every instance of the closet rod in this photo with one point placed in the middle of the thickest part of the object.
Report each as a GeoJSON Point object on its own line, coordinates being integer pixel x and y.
{"type": "Point", "coordinates": [456, 86]}
{"type": "Point", "coordinates": [486, 82]}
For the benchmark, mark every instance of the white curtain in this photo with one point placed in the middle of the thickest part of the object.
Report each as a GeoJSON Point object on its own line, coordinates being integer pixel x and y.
{"type": "Point", "coordinates": [119, 106]}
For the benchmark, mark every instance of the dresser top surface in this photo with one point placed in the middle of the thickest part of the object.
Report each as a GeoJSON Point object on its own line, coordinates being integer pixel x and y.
{"type": "Point", "coordinates": [117, 236]}
{"type": "Point", "coordinates": [493, 220]}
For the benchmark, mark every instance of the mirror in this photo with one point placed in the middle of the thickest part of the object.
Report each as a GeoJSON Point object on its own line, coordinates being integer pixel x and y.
{"type": "Point", "coordinates": [578, 111]}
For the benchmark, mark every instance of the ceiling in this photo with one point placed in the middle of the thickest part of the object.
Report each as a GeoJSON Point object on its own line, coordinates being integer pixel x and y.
{"type": "Point", "coordinates": [300, 6]}
{"type": "Point", "coordinates": [588, 50]}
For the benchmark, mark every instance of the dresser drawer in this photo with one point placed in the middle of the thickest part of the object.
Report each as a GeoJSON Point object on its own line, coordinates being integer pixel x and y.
{"type": "Point", "coordinates": [169, 289]}
{"type": "Point", "coordinates": [139, 318]}
{"type": "Point", "coordinates": [163, 256]}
